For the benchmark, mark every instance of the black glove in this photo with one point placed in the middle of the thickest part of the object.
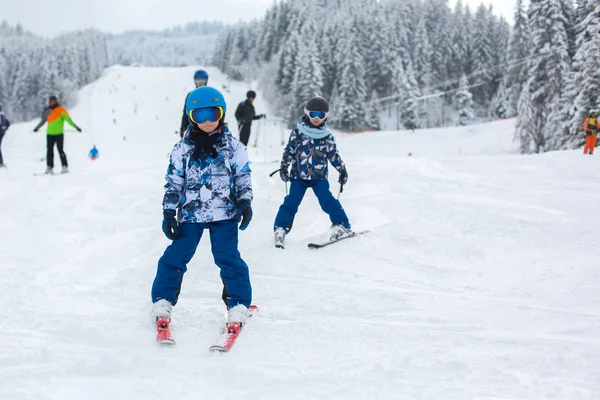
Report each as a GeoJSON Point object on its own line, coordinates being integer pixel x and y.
{"type": "Point", "coordinates": [169, 224]}
{"type": "Point", "coordinates": [244, 212]}
{"type": "Point", "coordinates": [343, 177]}
{"type": "Point", "coordinates": [588, 132]}
{"type": "Point", "coordinates": [263, 116]}
{"type": "Point", "coordinates": [35, 130]}
{"type": "Point", "coordinates": [78, 129]}
{"type": "Point", "coordinates": [283, 174]}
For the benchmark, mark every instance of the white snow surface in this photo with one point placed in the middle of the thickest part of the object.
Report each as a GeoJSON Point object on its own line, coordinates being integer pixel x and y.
{"type": "Point", "coordinates": [479, 278]}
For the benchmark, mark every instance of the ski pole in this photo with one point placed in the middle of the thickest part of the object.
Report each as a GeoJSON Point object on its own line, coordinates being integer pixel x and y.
{"type": "Point", "coordinates": [341, 190]}
{"type": "Point", "coordinates": [274, 172]}
{"type": "Point", "coordinates": [286, 184]}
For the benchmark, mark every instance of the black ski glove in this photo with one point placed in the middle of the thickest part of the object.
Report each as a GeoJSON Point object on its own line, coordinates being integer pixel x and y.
{"type": "Point", "coordinates": [343, 177]}
{"type": "Point", "coordinates": [244, 212]}
{"type": "Point", "coordinates": [169, 224]}
{"type": "Point", "coordinates": [78, 129]}
{"type": "Point", "coordinates": [283, 174]}
{"type": "Point", "coordinates": [588, 132]}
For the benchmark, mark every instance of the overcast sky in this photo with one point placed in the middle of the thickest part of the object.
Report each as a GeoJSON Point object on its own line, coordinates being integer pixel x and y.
{"type": "Point", "coordinates": [49, 18]}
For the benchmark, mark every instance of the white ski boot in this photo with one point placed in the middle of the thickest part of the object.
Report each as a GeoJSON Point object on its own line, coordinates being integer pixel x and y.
{"type": "Point", "coordinates": [162, 308]}
{"type": "Point", "coordinates": [239, 314]}
{"type": "Point", "coordinates": [64, 170]}
{"type": "Point", "coordinates": [339, 231]}
{"type": "Point", "coordinates": [279, 237]}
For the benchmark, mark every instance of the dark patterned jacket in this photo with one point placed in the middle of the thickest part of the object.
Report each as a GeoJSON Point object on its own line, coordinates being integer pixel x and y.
{"type": "Point", "coordinates": [308, 151]}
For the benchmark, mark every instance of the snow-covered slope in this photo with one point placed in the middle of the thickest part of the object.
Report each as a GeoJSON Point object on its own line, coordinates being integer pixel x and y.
{"type": "Point", "coordinates": [479, 278]}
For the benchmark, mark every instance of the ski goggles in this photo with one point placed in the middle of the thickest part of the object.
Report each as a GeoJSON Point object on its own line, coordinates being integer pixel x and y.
{"type": "Point", "coordinates": [200, 115]}
{"type": "Point", "coordinates": [315, 114]}
{"type": "Point", "coordinates": [201, 82]}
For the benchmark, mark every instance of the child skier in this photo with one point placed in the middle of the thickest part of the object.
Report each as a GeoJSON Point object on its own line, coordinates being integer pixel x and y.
{"type": "Point", "coordinates": [310, 147]}
{"type": "Point", "coordinates": [94, 153]}
{"type": "Point", "coordinates": [209, 184]}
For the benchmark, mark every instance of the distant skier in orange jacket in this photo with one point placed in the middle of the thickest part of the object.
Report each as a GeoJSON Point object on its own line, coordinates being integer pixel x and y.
{"type": "Point", "coordinates": [590, 126]}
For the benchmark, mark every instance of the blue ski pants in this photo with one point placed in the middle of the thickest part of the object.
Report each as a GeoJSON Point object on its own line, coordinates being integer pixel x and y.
{"type": "Point", "coordinates": [328, 203]}
{"type": "Point", "coordinates": [224, 244]}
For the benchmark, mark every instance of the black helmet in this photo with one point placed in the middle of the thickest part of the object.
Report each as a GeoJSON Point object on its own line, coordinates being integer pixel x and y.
{"type": "Point", "coordinates": [251, 94]}
{"type": "Point", "coordinates": [318, 103]}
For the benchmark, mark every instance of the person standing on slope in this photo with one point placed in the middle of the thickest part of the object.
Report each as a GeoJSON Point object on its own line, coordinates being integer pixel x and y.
{"type": "Point", "coordinates": [209, 185]}
{"type": "Point", "coordinates": [245, 114]}
{"type": "Point", "coordinates": [310, 147]}
{"type": "Point", "coordinates": [4, 124]}
{"type": "Point", "coordinates": [200, 80]}
{"type": "Point", "coordinates": [55, 115]}
{"type": "Point", "coordinates": [590, 126]}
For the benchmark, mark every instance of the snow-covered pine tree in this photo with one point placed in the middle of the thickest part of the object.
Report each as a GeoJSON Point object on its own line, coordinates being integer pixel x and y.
{"type": "Point", "coordinates": [373, 110]}
{"type": "Point", "coordinates": [464, 102]}
{"type": "Point", "coordinates": [287, 63]}
{"type": "Point", "coordinates": [266, 37]}
{"type": "Point", "coordinates": [410, 102]}
{"type": "Point", "coordinates": [568, 10]}
{"type": "Point", "coordinates": [499, 106]}
{"type": "Point", "coordinates": [527, 123]}
{"type": "Point", "coordinates": [500, 38]}
{"type": "Point", "coordinates": [351, 90]}
{"type": "Point", "coordinates": [460, 42]}
{"type": "Point", "coordinates": [585, 88]}
{"type": "Point", "coordinates": [308, 77]}
{"type": "Point", "coordinates": [328, 56]}
{"type": "Point", "coordinates": [518, 55]}
{"type": "Point", "coordinates": [483, 60]}
{"type": "Point", "coordinates": [437, 17]}
{"type": "Point", "coordinates": [422, 56]}
{"type": "Point", "coordinates": [548, 71]}
{"type": "Point", "coordinates": [375, 59]}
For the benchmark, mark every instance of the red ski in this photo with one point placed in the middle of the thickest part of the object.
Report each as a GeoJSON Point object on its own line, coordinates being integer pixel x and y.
{"type": "Point", "coordinates": [163, 330]}
{"type": "Point", "coordinates": [229, 334]}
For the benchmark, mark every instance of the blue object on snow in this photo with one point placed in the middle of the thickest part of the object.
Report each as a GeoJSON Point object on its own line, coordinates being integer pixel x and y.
{"type": "Point", "coordinates": [94, 153]}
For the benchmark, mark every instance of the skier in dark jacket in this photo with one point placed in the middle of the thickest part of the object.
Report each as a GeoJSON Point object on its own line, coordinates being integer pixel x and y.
{"type": "Point", "coordinates": [200, 79]}
{"type": "Point", "coordinates": [4, 124]}
{"type": "Point", "coordinates": [245, 114]}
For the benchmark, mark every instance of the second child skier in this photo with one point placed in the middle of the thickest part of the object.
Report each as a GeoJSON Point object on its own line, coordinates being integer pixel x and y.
{"type": "Point", "coordinates": [310, 147]}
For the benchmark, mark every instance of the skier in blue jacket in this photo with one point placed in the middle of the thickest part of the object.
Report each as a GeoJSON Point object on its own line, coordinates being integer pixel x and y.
{"type": "Point", "coordinates": [208, 188]}
{"type": "Point", "coordinates": [311, 146]}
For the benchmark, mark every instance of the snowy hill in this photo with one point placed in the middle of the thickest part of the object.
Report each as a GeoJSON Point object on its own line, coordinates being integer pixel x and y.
{"type": "Point", "coordinates": [479, 278]}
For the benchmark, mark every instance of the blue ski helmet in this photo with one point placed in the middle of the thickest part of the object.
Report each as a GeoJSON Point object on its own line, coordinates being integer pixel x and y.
{"type": "Point", "coordinates": [201, 74]}
{"type": "Point", "coordinates": [205, 97]}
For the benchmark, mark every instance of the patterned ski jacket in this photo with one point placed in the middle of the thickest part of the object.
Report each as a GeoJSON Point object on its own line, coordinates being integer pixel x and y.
{"type": "Point", "coordinates": [308, 151]}
{"type": "Point", "coordinates": [208, 189]}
